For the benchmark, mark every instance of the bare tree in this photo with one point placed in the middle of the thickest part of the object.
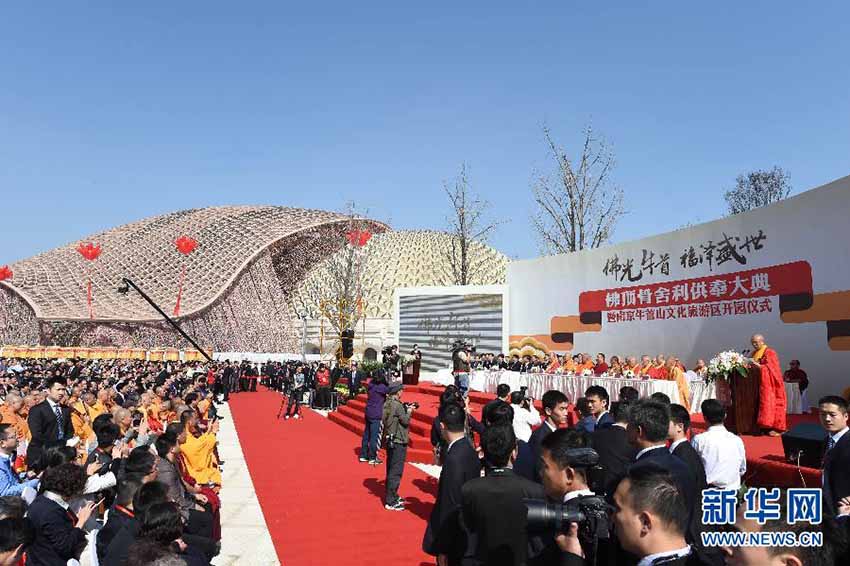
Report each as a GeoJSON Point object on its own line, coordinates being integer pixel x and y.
{"type": "Point", "coordinates": [335, 290]}
{"type": "Point", "coordinates": [578, 207]}
{"type": "Point", "coordinates": [758, 188]}
{"type": "Point", "coordinates": [469, 228]}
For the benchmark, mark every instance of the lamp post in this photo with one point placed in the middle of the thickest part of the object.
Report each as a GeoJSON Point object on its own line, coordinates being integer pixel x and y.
{"type": "Point", "coordinates": [125, 288]}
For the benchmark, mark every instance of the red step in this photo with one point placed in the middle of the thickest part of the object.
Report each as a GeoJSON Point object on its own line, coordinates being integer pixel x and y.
{"type": "Point", "coordinates": [415, 452]}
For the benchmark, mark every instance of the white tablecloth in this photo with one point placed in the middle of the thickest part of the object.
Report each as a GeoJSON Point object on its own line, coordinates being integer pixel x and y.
{"type": "Point", "coordinates": [572, 386]}
{"type": "Point", "coordinates": [700, 391]}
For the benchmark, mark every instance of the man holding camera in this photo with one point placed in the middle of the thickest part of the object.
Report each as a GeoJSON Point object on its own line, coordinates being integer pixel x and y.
{"type": "Point", "coordinates": [525, 415]}
{"type": "Point", "coordinates": [461, 366]}
{"type": "Point", "coordinates": [566, 458]}
{"type": "Point", "coordinates": [396, 422]}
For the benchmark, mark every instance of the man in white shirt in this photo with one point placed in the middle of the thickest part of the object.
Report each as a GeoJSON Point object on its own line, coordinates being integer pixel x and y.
{"type": "Point", "coordinates": [525, 416]}
{"type": "Point", "coordinates": [722, 452]}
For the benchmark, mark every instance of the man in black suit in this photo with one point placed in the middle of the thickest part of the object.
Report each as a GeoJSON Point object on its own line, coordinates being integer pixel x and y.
{"type": "Point", "coordinates": [615, 451]}
{"type": "Point", "coordinates": [354, 378]}
{"type": "Point", "coordinates": [49, 421]}
{"type": "Point", "coordinates": [444, 537]}
{"type": "Point", "coordinates": [680, 423]}
{"type": "Point", "coordinates": [555, 405]}
{"type": "Point", "coordinates": [649, 423]}
{"type": "Point", "coordinates": [598, 400]}
{"type": "Point", "coordinates": [503, 395]}
{"type": "Point", "coordinates": [836, 459]}
{"type": "Point", "coordinates": [493, 510]}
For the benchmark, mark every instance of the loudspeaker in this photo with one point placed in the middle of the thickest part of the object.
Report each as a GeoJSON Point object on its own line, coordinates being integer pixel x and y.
{"type": "Point", "coordinates": [805, 442]}
{"type": "Point", "coordinates": [347, 343]}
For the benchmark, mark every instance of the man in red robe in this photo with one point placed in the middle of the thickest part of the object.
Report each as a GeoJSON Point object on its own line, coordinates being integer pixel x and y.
{"type": "Point", "coordinates": [772, 400]}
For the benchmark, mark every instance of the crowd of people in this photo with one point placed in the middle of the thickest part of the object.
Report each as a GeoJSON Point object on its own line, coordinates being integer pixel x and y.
{"type": "Point", "coordinates": [633, 467]}
{"type": "Point", "coordinates": [113, 457]}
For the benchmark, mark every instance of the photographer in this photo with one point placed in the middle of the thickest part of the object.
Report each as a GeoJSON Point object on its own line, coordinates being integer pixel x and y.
{"type": "Point", "coordinates": [396, 420]}
{"type": "Point", "coordinates": [461, 366]}
{"type": "Point", "coordinates": [376, 395]}
{"type": "Point", "coordinates": [566, 459]}
{"type": "Point", "coordinates": [296, 390]}
{"type": "Point", "coordinates": [525, 415]}
{"type": "Point", "coordinates": [390, 358]}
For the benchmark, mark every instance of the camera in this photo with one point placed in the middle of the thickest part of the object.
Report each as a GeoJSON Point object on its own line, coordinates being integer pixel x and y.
{"type": "Point", "coordinates": [590, 512]}
{"type": "Point", "coordinates": [412, 405]}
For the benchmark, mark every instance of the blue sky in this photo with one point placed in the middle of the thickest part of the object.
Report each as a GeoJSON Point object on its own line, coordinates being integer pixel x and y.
{"type": "Point", "coordinates": [112, 112]}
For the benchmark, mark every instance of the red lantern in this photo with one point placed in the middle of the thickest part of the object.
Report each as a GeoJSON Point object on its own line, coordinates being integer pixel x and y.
{"type": "Point", "coordinates": [185, 245]}
{"type": "Point", "coordinates": [5, 273]}
{"type": "Point", "coordinates": [91, 252]}
{"type": "Point", "coordinates": [358, 238]}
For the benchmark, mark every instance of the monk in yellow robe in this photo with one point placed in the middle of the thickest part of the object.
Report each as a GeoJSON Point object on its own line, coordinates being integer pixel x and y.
{"type": "Point", "coordinates": [80, 417]}
{"type": "Point", "coordinates": [100, 406]}
{"type": "Point", "coordinates": [198, 450]}
{"type": "Point", "coordinates": [675, 373]}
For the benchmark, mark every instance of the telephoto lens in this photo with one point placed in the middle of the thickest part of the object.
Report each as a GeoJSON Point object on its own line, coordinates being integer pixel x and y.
{"type": "Point", "coordinates": [543, 516]}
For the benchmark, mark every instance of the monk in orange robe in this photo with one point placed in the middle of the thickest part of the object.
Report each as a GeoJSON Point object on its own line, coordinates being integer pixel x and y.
{"type": "Point", "coordinates": [675, 373]}
{"type": "Point", "coordinates": [568, 364]}
{"type": "Point", "coordinates": [659, 368]}
{"type": "Point", "coordinates": [645, 366]}
{"type": "Point", "coordinates": [10, 413]}
{"type": "Point", "coordinates": [772, 401]}
{"type": "Point", "coordinates": [587, 363]}
{"type": "Point", "coordinates": [554, 364]}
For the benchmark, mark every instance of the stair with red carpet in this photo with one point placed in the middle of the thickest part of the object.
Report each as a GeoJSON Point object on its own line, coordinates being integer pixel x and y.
{"type": "Point", "coordinates": [351, 417]}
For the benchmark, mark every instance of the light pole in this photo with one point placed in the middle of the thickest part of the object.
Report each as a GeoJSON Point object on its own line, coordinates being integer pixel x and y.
{"type": "Point", "coordinates": [125, 288]}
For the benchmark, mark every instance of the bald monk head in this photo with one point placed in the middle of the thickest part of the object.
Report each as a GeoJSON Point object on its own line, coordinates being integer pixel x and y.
{"type": "Point", "coordinates": [14, 402]}
{"type": "Point", "coordinates": [757, 341]}
{"type": "Point", "coordinates": [660, 359]}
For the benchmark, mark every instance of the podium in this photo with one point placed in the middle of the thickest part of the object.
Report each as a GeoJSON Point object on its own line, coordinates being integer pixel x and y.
{"type": "Point", "coordinates": [742, 415]}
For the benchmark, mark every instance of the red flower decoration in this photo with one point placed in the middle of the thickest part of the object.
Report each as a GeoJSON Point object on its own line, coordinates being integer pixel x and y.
{"type": "Point", "coordinates": [89, 250]}
{"type": "Point", "coordinates": [5, 273]}
{"type": "Point", "coordinates": [186, 245]}
{"type": "Point", "coordinates": [358, 238]}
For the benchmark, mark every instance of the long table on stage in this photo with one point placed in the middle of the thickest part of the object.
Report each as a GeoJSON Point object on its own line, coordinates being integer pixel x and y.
{"type": "Point", "coordinates": [573, 386]}
{"type": "Point", "coordinates": [700, 391]}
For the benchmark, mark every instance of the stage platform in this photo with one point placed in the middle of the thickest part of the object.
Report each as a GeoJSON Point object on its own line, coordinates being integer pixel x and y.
{"type": "Point", "coordinates": [766, 465]}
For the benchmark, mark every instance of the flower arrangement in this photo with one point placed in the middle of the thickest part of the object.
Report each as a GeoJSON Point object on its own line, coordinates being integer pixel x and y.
{"type": "Point", "coordinates": [628, 374]}
{"type": "Point", "coordinates": [725, 363]}
{"type": "Point", "coordinates": [587, 373]}
{"type": "Point", "coordinates": [407, 359]}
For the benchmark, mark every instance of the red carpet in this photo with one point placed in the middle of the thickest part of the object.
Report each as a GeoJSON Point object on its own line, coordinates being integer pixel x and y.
{"type": "Point", "coordinates": [320, 504]}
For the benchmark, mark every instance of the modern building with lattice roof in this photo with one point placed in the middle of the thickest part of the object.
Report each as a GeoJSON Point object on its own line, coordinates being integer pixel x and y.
{"type": "Point", "coordinates": [238, 287]}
